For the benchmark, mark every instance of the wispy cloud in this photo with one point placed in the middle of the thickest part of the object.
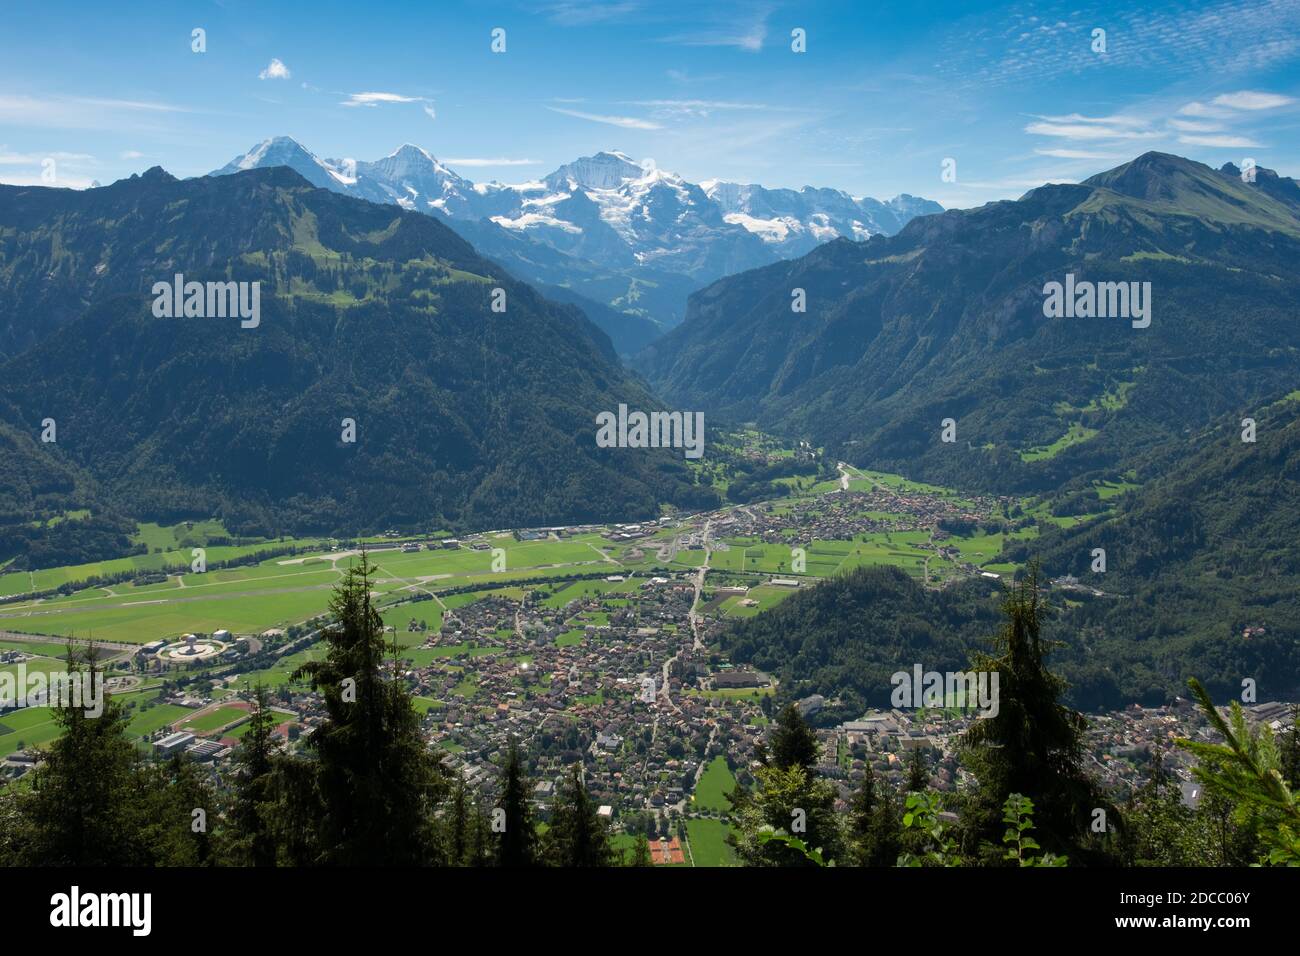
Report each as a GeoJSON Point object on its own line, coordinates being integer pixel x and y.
{"type": "Point", "coordinates": [1214, 120]}
{"type": "Point", "coordinates": [686, 77]}
{"type": "Point", "coordinates": [1195, 126]}
{"type": "Point", "coordinates": [375, 99]}
{"type": "Point", "coordinates": [577, 13]}
{"type": "Point", "coordinates": [1078, 154]}
{"type": "Point", "coordinates": [1252, 100]}
{"type": "Point", "coordinates": [744, 28]}
{"type": "Point", "coordinates": [275, 70]}
{"type": "Point", "coordinates": [80, 112]}
{"type": "Point", "coordinates": [35, 159]}
{"type": "Point", "coordinates": [1220, 141]}
{"type": "Point", "coordinates": [1079, 127]}
{"type": "Point", "coordinates": [696, 109]}
{"type": "Point", "coordinates": [1024, 44]}
{"type": "Point", "coordinates": [625, 122]}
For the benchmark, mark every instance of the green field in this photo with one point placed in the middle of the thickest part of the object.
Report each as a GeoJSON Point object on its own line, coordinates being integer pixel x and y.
{"type": "Point", "coordinates": [214, 719]}
{"type": "Point", "coordinates": [1076, 434]}
{"type": "Point", "coordinates": [708, 843]}
{"type": "Point", "coordinates": [26, 728]}
{"type": "Point", "coordinates": [716, 781]}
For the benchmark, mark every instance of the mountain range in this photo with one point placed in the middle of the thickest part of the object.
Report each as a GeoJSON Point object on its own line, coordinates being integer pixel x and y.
{"type": "Point", "coordinates": [946, 320]}
{"type": "Point", "coordinates": [464, 414]}
{"type": "Point", "coordinates": [625, 235]}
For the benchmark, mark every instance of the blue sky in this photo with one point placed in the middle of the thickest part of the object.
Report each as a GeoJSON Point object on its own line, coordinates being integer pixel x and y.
{"type": "Point", "coordinates": [1014, 93]}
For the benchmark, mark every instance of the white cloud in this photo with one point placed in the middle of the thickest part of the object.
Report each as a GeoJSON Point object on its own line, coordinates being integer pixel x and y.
{"type": "Point", "coordinates": [35, 159]}
{"type": "Point", "coordinates": [374, 99]}
{"type": "Point", "coordinates": [1078, 154]}
{"type": "Point", "coordinates": [573, 13]}
{"type": "Point", "coordinates": [78, 112]}
{"type": "Point", "coordinates": [1252, 100]}
{"type": "Point", "coordinates": [626, 122]}
{"type": "Point", "coordinates": [1191, 126]}
{"type": "Point", "coordinates": [727, 31]}
{"type": "Point", "coordinates": [1221, 142]}
{"type": "Point", "coordinates": [131, 154]}
{"type": "Point", "coordinates": [696, 108]}
{"type": "Point", "coordinates": [751, 40]}
{"type": "Point", "coordinates": [1088, 129]}
{"type": "Point", "coordinates": [430, 112]}
{"type": "Point", "coordinates": [275, 70]}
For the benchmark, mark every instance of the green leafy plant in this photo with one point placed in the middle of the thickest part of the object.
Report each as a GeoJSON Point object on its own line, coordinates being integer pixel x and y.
{"type": "Point", "coordinates": [1018, 815]}
{"type": "Point", "coordinates": [768, 835]}
{"type": "Point", "coordinates": [1247, 768]}
{"type": "Point", "coordinates": [921, 819]}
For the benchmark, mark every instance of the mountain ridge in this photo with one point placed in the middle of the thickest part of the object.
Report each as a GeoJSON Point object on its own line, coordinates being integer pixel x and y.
{"type": "Point", "coordinates": [946, 320]}
{"type": "Point", "coordinates": [370, 313]}
{"type": "Point", "coordinates": [632, 237]}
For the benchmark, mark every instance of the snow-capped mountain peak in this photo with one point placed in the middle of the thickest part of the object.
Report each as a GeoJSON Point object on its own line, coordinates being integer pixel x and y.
{"type": "Point", "coordinates": [286, 151]}
{"type": "Point", "coordinates": [606, 170]}
{"type": "Point", "coordinates": [606, 211]}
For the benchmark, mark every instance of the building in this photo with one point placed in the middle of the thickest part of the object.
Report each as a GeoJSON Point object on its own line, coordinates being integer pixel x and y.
{"type": "Point", "coordinates": [730, 679]}
{"type": "Point", "coordinates": [173, 743]}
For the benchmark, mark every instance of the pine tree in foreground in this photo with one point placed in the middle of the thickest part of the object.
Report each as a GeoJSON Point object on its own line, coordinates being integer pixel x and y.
{"type": "Point", "coordinates": [252, 841]}
{"type": "Point", "coordinates": [1033, 746]}
{"type": "Point", "coordinates": [376, 780]}
{"type": "Point", "coordinates": [516, 843]}
{"type": "Point", "coordinates": [578, 836]}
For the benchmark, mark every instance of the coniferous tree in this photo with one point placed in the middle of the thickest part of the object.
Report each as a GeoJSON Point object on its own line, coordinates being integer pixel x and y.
{"type": "Point", "coordinates": [252, 841]}
{"type": "Point", "coordinates": [577, 837]}
{"type": "Point", "coordinates": [458, 827]}
{"type": "Point", "coordinates": [918, 771]}
{"type": "Point", "coordinates": [376, 780]}
{"type": "Point", "coordinates": [873, 824]}
{"type": "Point", "coordinates": [180, 811]}
{"type": "Point", "coordinates": [792, 742]}
{"type": "Point", "coordinates": [84, 806]}
{"type": "Point", "coordinates": [297, 808]}
{"type": "Point", "coordinates": [517, 842]}
{"type": "Point", "coordinates": [1290, 751]}
{"type": "Point", "coordinates": [1033, 746]}
{"type": "Point", "coordinates": [480, 848]}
